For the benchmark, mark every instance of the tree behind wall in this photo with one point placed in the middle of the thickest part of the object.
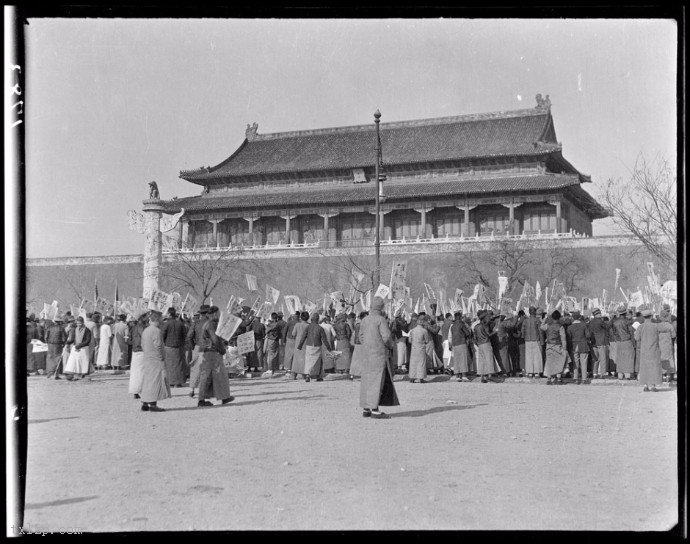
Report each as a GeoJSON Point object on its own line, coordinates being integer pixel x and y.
{"type": "Point", "coordinates": [645, 205]}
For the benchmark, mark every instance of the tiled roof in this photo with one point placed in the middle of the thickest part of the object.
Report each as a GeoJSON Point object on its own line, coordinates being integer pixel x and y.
{"type": "Point", "coordinates": [500, 134]}
{"type": "Point", "coordinates": [353, 194]}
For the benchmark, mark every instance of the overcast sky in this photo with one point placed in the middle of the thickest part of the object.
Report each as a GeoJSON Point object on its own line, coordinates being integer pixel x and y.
{"type": "Point", "coordinates": [112, 104]}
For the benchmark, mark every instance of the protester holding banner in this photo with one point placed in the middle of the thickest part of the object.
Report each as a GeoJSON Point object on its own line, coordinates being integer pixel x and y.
{"type": "Point", "coordinates": [376, 387]}
{"type": "Point", "coordinates": [213, 378]}
{"type": "Point", "coordinates": [647, 337]}
{"type": "Point", "coordinates": [154, 383]}
{"type": "Point", "coordinates": [299, 332]}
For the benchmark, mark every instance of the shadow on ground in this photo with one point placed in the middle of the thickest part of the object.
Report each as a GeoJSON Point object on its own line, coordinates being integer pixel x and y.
{"type": "Point", "coordinates": [30, 506]}
{"type": "Point", "coordinates": [436, 410]}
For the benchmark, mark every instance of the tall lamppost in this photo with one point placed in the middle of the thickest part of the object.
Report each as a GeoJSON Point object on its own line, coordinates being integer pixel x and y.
{"type": "Point", "coordinates": [377, 236]}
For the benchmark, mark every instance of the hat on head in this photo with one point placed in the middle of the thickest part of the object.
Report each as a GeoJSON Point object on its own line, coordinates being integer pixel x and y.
{"type": "Point", "coordinates": [155, 313]}
{"type": "Point", "coordinates": [576, 314]}
{"type": "Point", "coordinates": [555, 315]}
{"type": "Point", "coordinates": [647, 313]}
{"type": "Point", "coordinates": [280, 314]}
{"type": "Point", "coordinates": [377, 303]}
{"type": "Point", "coordinates": [532, 310]}
{"type": "Point", "coordinates": [666, 307]}
{"type": "Point", "coordinates": [59, 319]}
{"type": "Point", "coordinates": [204, 309]}
{"type": "Point", "coordinates": [596, 311]}
{"type": "Point", "coordinates": [621, 309]}
{"type": "Point", "coordinates": [171, 311]}
{"type": "Point", "coordinates": [213, 309]}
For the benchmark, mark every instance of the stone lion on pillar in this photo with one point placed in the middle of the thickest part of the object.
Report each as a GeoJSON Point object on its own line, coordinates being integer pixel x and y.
{"type": "Point", "coordinates": [153, 190]}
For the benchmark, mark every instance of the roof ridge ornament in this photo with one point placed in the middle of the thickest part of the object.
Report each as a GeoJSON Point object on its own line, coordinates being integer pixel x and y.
{"type": "Point", "coordinates": [250, 132]}
{"type": "Point", "coordinates": [543, 103]}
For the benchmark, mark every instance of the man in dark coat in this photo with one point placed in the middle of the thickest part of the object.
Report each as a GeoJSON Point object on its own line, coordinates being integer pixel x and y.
{"type": "Point", "coordinates": [579, 335]}
{"type": "Point", "coordinates": [600, 333]}
{"type": "Point", "coordinates": [173, 331]}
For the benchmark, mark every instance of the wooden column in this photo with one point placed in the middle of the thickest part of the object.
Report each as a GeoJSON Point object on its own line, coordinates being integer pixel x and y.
{"type": "Point", "coordinates": [326, 232]}
{"type": "Point", "coordinates": [250, 232]}
{"type": "Point", "coordinates": [557, 203]}
{"type": "Point", "coordinates": [511, 216]}
{"type": "Point", "coordinates": [287, 226]}
{"type": "Point", "coordinates": [423, 225]}
{"type": "Point", "coordinates": [215, 230]}
{"type": "Point", "coordinates": [466, 220]}
{"type": "Point", "coordinates": [185, 233]}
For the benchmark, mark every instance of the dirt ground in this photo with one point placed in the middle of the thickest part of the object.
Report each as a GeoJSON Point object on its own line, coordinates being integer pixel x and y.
{"type": "Point", "coordinates": [290, 455]}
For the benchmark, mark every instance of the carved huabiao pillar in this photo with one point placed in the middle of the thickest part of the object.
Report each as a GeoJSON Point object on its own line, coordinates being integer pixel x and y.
{"type": "Point", "coordinates": [153, 246]}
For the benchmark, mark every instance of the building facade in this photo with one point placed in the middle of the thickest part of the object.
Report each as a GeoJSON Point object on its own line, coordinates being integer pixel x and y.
{"type": "Point", "coordinates": [461, 177]}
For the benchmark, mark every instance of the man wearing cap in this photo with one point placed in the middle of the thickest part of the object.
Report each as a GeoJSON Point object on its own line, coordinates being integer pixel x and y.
{"type": "Point", "coordinates": [118, 358]}
{"type": "Point", "coordinates": [312, 343]}
{"type": "Point", "coordinates": [136, 370]}
{"type": "Point", "coordinates": [534, 339]}
{"type": "Point", "coordinates": [647, 337]}
{"type": "Point", "coordinates": [624, 335]}
{"type": "Point", "coordinates": [667, 336]}
{"type": "Point", "coordinates": [94, 329]}
{"type": "Point", "coordinates": [556, 348]}
{"type": "Point", "coordinates": [194, 341]}
{"type": "Point", "coordinates": [174, 340]}
{"type": "Point", "coordinates": [458, 338]}
{"type": "Point", "coordinates": [272, 345]}
{"type": "Point", "coordinates": [213, 376]}
{"type": "Point", "coordinates": [282, 326]}
{"type": "Point", "coordinates": [289, 341]}
{"type": "Point", "coordinates": [600, 331]}
{"type": "Point", "coordinates": [55, 336]}
{"type": "Point", "coordinates": [376, 387]}
{"type": "Point", "coordinates": [579, 335]}
{"type": "Point", "coordinates": [154, 384]}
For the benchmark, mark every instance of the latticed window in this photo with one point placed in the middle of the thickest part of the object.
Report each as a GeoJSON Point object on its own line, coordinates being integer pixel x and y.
{"type": "Point", "coordinates": [405, 224]}
{"type": "Point", "coordinates": [446, 221]}
{"type": "Point", "coordinates": [541, 218]}
{"type": "Point", "coordinates": [493, 221]}
{"type": "Point", "coordinates": [356, 226]}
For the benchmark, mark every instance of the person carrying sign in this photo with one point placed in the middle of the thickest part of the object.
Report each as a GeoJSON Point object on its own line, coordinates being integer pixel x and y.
{"type": "Point", "coordinates": [213, 377]}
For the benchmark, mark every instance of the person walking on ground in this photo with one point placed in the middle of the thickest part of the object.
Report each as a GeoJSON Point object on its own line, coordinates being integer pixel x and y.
{"type": "Point", "coordinates": [299, 332]}
{"type": "Point", "coordinates": [78, 364]}
{"type": "Point", "coordinates": [173, 332]}
{"type": "Point", "coordinates": [599, 329]}
{"type": "Point", "coordinates": [289, 342]}
{"type": "Point", "coordinates": [312, 343]}
{"type": "Point", "coordinates": [213, 378]}
{"type": "Point", "coordinates": [580, 336]}
{"type": "Point", "coordinates": [420, 339]}
{"type": "Point", "coordinates": [343, 332]}
{"type": "Point", "coordinates": [104, 344]}
{"type": "Point", "coordinates": [533, 336]}
{"type": "Point", "coordinates": [556, 346]}
{"type": "Point", "coordinates": [459, 338]}
{"type": "Point", "coordinates": [376, 388]}
{"type": "Point", "coordinates": [358, 353]}
{"type": "Point", "coordinates": [154, 383]}
{"type": "Point", "coordinates": [136, 369]}
{"type": "Point", "coordinates": [625, 348]}
{"type": "Point", "coordinates": [55, 336]}
{"type": "Point", "coordinates": [119, 359]}
{"type": "Point", "coordinates": [647, 337]}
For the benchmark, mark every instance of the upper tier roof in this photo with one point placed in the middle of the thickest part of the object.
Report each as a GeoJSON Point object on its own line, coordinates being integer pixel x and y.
{"type": "Point", "coordinates": [526, 132]}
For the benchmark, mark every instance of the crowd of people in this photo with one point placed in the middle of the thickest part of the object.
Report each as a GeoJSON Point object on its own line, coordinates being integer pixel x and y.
{"type": "Point", "coordinates": [180, 351]}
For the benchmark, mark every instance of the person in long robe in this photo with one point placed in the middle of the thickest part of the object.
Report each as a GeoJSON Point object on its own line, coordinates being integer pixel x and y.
{"type": "Point", "coordinates": [600, 333]}
{"type": "Point", "coordinates": [31, 334]}
{"type": "Point", "coordinates": [420, 339]}
{"type": "Point", "coordinates": [136, 369]}
{"type": "Point", "coordinates": [119, 359]}
{"type": "Point", "coordinates": [399, 329]}
{"type": "Point", "coordinates": [55, 337]}
{"type": "Point", "coordinates": [625, 346]}
{"type": "Point", "coordinates": [556, 348]}
{"type": "Point", "coordinates": [299, 331]}
{"type": "Point", "coordinates": [667, 335]}
{"type": "Point", "coordinates": [94, 329]}
{"type": "Point", "coordinates": [154, 383]}
{"type": "Point", "coordinates": [580, 336]}
{"type": "Point", "coordinates": [174, 334]}
{"type": "Point", "coordinates": [312, 344]}
{"type": "Point", "coordinates": [376, 388]}
{"type": "Point", "coordinates": [326, 358]}
{"type": "Point", "coordinates": [647, 337]}
{"type": "Point", "coordinates": [193, 346]}
{"type": "Point", "coordinates": [533, 337]}
{"type": "Point", "coordinates": [482, 338]}
{"type": "Point", "coordinates": [282, 326]}
{"type": "Point", "coordinates": [458, 337]}
{"type": "Point", "coordinates": [289, 341]}
{"type": "Point", "coordinates": [104, 344]}
{"type": "Point", "coordinates": [213, 378]}
{"type": "Point", "coordinates": [272, 345]}
{"type": "Point", "coordinates": [358, 353]}
{"type": "Point", "coordinates": [343, 332]}
{"type": "Point", "coordinates": [79, 361]}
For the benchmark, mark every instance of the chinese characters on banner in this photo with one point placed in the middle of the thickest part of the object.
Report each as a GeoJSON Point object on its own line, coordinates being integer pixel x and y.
{"type": "Point", "coordinates": [245, 343]}
{"type": "Point", "coordinates": [398, 278]}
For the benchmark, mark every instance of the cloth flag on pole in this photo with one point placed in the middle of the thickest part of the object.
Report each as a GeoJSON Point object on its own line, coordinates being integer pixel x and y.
{"type": "Point", "coordinates": [537, 293]}
{"type": "Point", "coordinates": [95, 293]}
{"type": "Point", "coordinates": [116, 299]}
{"type": "Point", "coordinates": [398, 278]}
{"type": "Point", "coordinates": [309, 307]}
{"type": "Point", "coordinates": [382, 291]}
{"type": "Point", "coordinates": [256, 306]}
{"type": "Point", "coordinates": [429, 291]}
{"type": "Point", "coordinates": [502, 286]}
{"type": "Point", "coordinates": [458, 298]}
{"type": "Point", "coordinates": [636, 299]}
{"type": "Point", "coordinates": [192, 304]}
{"type": "Point", "coordinates": [618, 275]}
{"type": "Point", "coordinates": [358, 275]}
{"type": "Point", "coordinates": [251, 282]}
{"type": "Point", "coordinates": [227, 325]}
